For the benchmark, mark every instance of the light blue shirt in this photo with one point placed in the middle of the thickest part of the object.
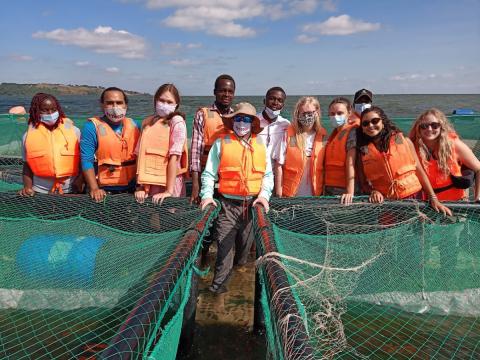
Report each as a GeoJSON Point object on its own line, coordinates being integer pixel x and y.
{"type": "Point", "coordinates": [210, 174]}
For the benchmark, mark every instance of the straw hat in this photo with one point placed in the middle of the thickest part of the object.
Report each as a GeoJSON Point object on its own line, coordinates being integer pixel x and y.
{"type": "Point", "coordinates": [17, 110]}
{"type": "Point", "coordinates": [243, 108]}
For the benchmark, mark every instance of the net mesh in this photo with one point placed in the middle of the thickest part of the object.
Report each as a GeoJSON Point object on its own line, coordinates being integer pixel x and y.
{"type": "Point", "coordinates": [395, 280]}
{"type": "Point", "coordinates": [80, 279]}
{"type": "Point", "coordinates": [354, 287]}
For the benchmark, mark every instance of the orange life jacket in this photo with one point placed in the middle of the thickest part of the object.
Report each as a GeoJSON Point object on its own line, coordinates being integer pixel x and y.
{"type": "Point", "coordinates": [241, 168]}
{"type": "Point", "coordinates": [153, 155]}
{"type": "Point", "coordinates": [295, 162]}
{"type": "Point", "coordinates": [392, 173]}
{"type": "Point", "coordinates": [212, 129]}
{"type": "Point", "coordinates": [336, 156]}
{"type": "Point", "coordinates": [115, 154]}
{"type": "Point", "coordinates": [53, 153]}
{"type": "Point", "coordinates": [441, 181]}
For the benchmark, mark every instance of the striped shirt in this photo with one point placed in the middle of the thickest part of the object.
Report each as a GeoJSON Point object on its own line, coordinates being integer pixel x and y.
{"type": "Point", "coordinates": [198, 140]}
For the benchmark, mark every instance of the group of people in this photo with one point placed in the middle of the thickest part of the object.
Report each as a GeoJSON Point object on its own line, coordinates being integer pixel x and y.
{"type": "Point", "coordinates": [240, 157]}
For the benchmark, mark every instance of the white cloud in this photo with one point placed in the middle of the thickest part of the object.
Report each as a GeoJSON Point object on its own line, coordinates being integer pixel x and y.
{"type": "Point", "coordinates": [103, 40]}
{"type": "Point", "coordinates": [217, 19]}
{"type": "Point", "coordinates": [157, 4]}
{"type": "Point", "coordinates": [305, 39]}
{"type": "Point", "coordinates": [329, 5]}
{"type": "Point", "coordinates": [417, 77]}
{"type": "Point", "coordinates": [17, 57]}
{"type": "Point", "coordinates": [340, 25]}
{"type": "Point", "coordinates": [82, 63]}
{"type": "Point", "coordinates": [194, 45]}
{"type": "Point", "coordinates": [297, 5]}
{"type": "Point", "coordinates": [170, 49]}
{"type": "Point", "coordinates": [223, 18]}
{"type": "Point", "coordinates": [112, 69]}
{"type": "Point", "coordinates": [182, 62]}
{"type": "Point", "coordinates": [309, 6]}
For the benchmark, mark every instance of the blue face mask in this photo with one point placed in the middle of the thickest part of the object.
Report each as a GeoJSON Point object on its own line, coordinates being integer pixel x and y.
{"type": "Point", "coordinates": [49, 119]}
{"type": "Point", "coordinates": [337, 120]}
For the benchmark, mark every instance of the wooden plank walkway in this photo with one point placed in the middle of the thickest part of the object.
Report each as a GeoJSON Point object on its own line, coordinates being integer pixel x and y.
{"type": "Point", "coordinates": [224, 323]}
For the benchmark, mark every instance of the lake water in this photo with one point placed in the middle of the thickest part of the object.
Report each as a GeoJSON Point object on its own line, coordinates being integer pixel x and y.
{"type": "Point", "coordinates": [396, 106]}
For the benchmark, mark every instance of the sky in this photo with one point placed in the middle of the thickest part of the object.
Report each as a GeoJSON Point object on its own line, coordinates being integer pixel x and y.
{"type": "Point", "coordinates": [321, 47]}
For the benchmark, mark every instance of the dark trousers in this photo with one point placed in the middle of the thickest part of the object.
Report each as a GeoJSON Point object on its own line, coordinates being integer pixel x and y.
{"type": "Point", "coordinates": [233, 233]}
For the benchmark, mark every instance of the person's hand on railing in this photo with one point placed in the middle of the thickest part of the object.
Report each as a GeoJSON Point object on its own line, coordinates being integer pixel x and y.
{"type": "Point", "coordinates": [159, 198]}
{"type": "Point", "coordinates": [346, 199]}
{"type": "Point", "coordinates": [439, 207]}
{"type": "Point", "coordinates": [262, 201]}
{"type": "Point", "coordinates": [206, 202]}
{"type": "Point", "coordinates": [140, 196]}
{"type": "Point", "coordinates": [26, 192]}
{"type": "Point", "coordinates": [98, 194]}
{"type": "Point", "coordinates": [376, 197]}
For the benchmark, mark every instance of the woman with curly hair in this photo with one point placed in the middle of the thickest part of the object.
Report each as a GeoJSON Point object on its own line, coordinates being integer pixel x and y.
{"type": "Point", "coordinates": [50, 149]}
{"type": "Point", "coordinates": [389, 161]}
{"type": "Point", "coordinates": [442, 155]}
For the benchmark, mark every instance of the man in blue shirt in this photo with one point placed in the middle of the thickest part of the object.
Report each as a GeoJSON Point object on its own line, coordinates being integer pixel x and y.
{"type": "Point", "coordinates": [107, 147]}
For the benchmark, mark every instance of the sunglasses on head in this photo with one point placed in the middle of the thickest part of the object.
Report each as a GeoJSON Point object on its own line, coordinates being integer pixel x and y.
{"type": "Point", "coordinates": [243, 118]}
{"type": "Point", "coordinates": [433, 125]}
{"type": "Point", "coordinates": [374, 121]}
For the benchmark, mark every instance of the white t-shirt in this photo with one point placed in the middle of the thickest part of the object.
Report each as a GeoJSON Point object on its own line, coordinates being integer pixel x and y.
{"type": "Point", "coordinates": [272, 133]}
{"type": "Point", "coordinates": [280, 151]}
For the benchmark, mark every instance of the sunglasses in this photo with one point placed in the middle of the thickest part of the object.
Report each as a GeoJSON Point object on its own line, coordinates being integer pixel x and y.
{"type": "Point", "coordinates": [243, 118]}
{"type": "Point", "coordinates": [433, 125]}
{"type": "Point", "coordinates": [374, 121]}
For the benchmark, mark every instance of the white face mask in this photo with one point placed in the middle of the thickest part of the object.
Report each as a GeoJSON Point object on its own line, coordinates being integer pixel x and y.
{"type": "Point", "coordinates": [337, 120]}
{"type": "Point", "coordinates": [272, 114]}
{"type": "Point", "coordinates": [360, 107]}
{"type": "Point", "coordinates": [49, 119]}
{"type": "Point", "coordinates": [163, 109]}
{"type": "Point", "coordinates": [242, 128]}
{"type": "Point", "coordinates": [115, 114]}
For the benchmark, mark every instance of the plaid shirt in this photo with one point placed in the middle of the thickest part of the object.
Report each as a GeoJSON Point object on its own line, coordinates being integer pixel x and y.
{"type": "Point", "coordinates": [198, 141]}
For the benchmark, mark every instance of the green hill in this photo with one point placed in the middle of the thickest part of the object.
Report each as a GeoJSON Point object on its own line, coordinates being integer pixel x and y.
{"type": "Point", "coordinates": [54, 89]}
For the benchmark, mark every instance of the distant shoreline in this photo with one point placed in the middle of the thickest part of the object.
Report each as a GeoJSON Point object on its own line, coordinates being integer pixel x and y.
{"type": "Point", "coordinates": [15, 89]}
{"type": "Point", "coordinates": [23, 89]}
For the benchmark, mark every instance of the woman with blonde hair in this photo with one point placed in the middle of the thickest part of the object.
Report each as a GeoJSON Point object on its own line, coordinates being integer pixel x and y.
{"type": "Point", "coordinates": [442, 155]}
{"type": "Point", "coordinates": [340, 151]}
{"type": "Point", "coordinates": [299, 157]}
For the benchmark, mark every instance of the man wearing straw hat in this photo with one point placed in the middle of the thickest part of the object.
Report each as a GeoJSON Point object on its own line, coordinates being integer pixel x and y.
{"type": "Point", "coordinates": [240, 163]}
